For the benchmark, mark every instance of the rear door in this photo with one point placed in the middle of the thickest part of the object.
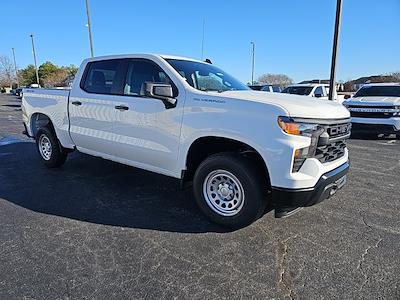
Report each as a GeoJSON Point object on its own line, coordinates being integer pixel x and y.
{"type": "Point", "coordinates": [92, 106]}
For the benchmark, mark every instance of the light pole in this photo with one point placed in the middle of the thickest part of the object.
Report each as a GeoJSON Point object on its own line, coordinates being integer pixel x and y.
{"type": "Point", "coordinates": [338, 21]}
{"type": "Point", "coordinates": [15, 67]}
{"type": "Point", "coordinates": [253, 62]}
{"type": "Point", "coordinates": [202, 40]}
{"type": "Point", "coordinates": [34, 58]}
{"type": "Point", "coordinates": [89, 28]}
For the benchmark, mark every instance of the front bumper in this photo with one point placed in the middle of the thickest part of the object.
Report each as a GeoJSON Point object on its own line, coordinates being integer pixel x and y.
{"type": "Point", "coordinates": [285, 199]}
{"type": "Point", "coordinates": [392, 123]}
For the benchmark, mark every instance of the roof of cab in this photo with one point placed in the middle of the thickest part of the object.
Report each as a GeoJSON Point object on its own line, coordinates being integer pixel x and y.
{"type": "Point", "coordinates": [144, 55]}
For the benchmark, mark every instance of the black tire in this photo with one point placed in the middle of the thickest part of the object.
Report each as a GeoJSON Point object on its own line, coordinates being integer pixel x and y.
{"type": "Point", "coordinates": [57, 155]}
{"type": "Point", "coordinates": [251, 182]}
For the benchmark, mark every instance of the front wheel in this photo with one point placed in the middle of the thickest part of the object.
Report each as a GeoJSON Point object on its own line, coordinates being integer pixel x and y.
{"type": "Point", "coordinates": [53, 155]}
{"type": "Point", "coordinates": [230, 190]}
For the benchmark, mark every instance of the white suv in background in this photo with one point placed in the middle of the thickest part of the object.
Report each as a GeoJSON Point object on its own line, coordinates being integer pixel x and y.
{"type": "Point", "coordinates": [375, 108]}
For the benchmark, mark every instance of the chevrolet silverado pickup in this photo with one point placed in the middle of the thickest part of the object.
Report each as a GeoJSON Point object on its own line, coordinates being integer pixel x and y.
{"type": "Point", "coordinates": [239, 149]}
{"type": "Point", "coordinates": [375, 108]}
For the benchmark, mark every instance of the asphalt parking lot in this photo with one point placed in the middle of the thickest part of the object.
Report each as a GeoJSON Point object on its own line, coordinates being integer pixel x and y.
{"type": "Point", "coordinates": [97, 229]}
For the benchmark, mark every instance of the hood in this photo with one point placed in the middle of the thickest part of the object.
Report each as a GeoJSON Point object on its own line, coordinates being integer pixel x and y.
{"type": "Point", "coordinates": [373, 101]}
{"type": "Point", "coordinates": [295, 105]}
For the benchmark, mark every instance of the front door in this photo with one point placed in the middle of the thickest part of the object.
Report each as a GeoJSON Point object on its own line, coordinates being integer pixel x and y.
{"type": "Point", "coordinates": [147, 133]}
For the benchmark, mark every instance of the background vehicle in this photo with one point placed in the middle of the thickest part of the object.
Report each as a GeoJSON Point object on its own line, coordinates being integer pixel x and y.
{"type": "Point", "coordinates": [185, 119]}
{"type": "Point", "coordinates": [18, 92]}
{"type": "Point", "coordinates": [266, 88]}
{"type": "Point", "coordinates": [375, 108]}
{"type": "Point", "coordinates": [308, 89]}
{"type": "Point", "coordinates": [316, 90]}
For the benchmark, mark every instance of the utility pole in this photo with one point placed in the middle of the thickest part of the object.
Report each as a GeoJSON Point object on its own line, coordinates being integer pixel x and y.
{"type": "Point", "coordinates": [34, 58]}
{"type": "Point", "coordinates": [202, 40]}
{"type": "Point", "coordinates": [15, 67]}
{"type": "Point", "coordinates": [89, 28]}
{"type": "Point", "coordinates": [338, 21]}
{"type": "Point", "coordinates": [253, 62]}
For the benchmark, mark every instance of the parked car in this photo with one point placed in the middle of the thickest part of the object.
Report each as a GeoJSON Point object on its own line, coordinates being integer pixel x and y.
{"type": "Point", "coordinates": [266, 88]}
{"type": "Point", "coordinates": [375, 108]}
{"type": "Point", "coordinates": [190, 120]}
{"type": "Point", "coordinates": [18, 92]}
{"type": "Point", "coordinates": [316, 90]}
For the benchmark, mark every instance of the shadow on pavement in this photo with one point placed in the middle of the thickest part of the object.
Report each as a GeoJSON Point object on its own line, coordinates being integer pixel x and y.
{"type": "Point", "coordinates": [98, 191]}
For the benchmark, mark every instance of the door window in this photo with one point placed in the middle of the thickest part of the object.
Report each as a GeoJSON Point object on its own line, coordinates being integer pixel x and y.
{"type": "Point", "coordinates": [103, 77]}
{"type": "Point", "coordinates": [319, 91]}
{"type": "Point", "coordinates": [140, 71]}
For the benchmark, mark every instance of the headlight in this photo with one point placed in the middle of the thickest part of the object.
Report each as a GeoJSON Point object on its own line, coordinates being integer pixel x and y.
{"type": "Point", "coordinates": [314, 131]}
{"type": "Point", "coordinates": [290, 126]}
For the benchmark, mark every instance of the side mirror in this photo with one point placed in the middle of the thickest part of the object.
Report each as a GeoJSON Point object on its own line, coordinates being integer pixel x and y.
{"type": "Point", "coordinates": [162, 91]}
{"type": "Point", "coordinates": [317, 95]}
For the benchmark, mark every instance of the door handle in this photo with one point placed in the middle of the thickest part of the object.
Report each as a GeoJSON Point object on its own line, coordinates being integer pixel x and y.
{"type": "Point", "coordinates": [122, 107]}
{"type": "Point", "coordinates": [77, 103]}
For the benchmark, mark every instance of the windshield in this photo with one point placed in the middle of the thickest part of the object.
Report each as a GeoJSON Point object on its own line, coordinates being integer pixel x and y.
{"type": "Point", "coordinates": [378, 91]}
{"type": "Point", "coordinates": [298, 90]}
{"type": "Point", "coordinates": [206, 77]}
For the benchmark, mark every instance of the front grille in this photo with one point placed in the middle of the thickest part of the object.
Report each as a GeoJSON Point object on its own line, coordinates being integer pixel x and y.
{"type": "Point", "coordinates": [328, 144]}
{"type": "Point", "coordinates": [376, 115]}
{"type": "Point", "coordinates": [332, 146]}
{"type": "Point", "coordinates": [330, 152]}
{"type": "Point", "coordinates": [377, 112]}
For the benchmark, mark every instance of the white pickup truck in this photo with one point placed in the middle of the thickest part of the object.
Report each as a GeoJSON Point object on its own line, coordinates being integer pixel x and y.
{"type": "Point", "coordinates": [316, 90]}
{"type": "Point", "coordinates": [375, 108]}
{"type": "Point", "coordinates": [239, 149]}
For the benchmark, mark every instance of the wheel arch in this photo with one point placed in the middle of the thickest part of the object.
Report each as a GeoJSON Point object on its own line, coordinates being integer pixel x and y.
{"type": "Point", "coordinates": [39, 120]}
{"type": "Point", "coordinates": [204, 146]}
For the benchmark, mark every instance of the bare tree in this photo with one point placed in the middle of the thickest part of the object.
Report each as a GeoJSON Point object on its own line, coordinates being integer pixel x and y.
{"type": "Point", "coordinates": [7, 75]}
{"type": "Point", "coordinates": [396, 75]}
{"type": "Point", "coordinates": [275, 79]}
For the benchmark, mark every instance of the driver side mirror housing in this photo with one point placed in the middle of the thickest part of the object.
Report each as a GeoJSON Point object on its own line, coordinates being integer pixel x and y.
{"type": "Point", "coordinates": [162, 91]}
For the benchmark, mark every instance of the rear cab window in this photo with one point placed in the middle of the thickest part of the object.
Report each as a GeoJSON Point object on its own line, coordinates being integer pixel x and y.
{"type": "Point", "coordinates": [103, 77]}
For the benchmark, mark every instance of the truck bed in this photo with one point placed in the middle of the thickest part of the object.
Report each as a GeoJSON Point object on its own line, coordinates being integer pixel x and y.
{"type": "Point", "coordinates": [50, 102]}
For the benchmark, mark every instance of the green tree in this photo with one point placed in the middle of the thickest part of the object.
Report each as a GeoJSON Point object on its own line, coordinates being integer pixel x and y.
{"type": "Point", "coordinates": [27, 76]}
{"type": "Point", "coordinates": [47, 69]}
{"type": "Point", "coordinates": [71, 70]}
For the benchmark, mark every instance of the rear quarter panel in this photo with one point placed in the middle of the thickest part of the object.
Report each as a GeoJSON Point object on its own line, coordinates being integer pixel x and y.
{"type": "Point", "coordinates": [53, 104]}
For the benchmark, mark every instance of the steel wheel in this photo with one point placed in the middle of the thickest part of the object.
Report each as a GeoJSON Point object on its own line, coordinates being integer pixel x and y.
{"type": "Point", "coordinates": [45, 148]}
{"type": "Point", "coordinates": [223, 193]}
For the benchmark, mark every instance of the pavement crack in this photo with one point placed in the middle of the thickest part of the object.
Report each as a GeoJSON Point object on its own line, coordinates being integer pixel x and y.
{"type": "Point", "coordinates": [283, 284]}
{"type": "Point", "coordinates": [362, 260]}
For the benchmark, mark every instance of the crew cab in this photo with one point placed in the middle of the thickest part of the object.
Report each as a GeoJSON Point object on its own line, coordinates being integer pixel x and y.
{"type": "Point", "coordinates": [375, 108]}
{"type": "Point", "coordinates": [239, 149]}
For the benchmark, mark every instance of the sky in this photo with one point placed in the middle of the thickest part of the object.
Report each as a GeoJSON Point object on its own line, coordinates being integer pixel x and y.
{"type": "Point", "coordinates": [292, 37]}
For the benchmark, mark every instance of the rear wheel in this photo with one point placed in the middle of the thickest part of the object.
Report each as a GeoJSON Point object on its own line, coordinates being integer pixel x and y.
{"type": "Point", "coordinates": [53, 155]}
{"type": "Point", "coordinates": [229, 190]}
